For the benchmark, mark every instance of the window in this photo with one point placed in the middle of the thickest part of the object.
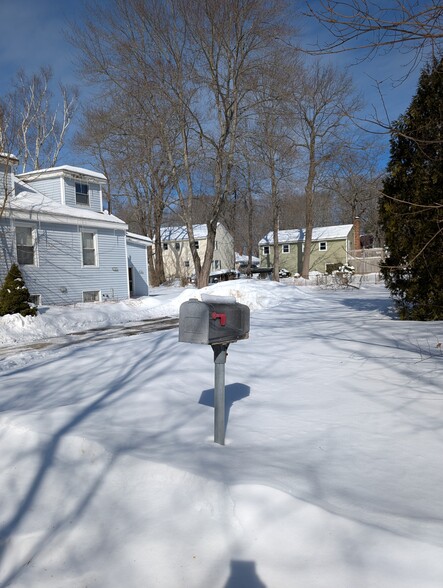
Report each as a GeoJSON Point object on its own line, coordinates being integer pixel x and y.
{"type": "Point", "coordinates": [165, 246]}
{"type": "Point", "coordinates": [81, 194]}
{"type": "Point", "coordinates": [25, 245]}
{"type": "Point", "coordinates": [186, 263]}
{"type": "Point", "coordinates": [323, 246]}
{"type": "Point", "coordinates": [196, 244]}
{"type": "Point", "coordinates": [216, 246]}
{"type": "Point", "coordinates": [91, 296]}
{"type": "Point", "coordinates": [89, 249]}
{"type": "Point", "coordinates": [286, 248]}
{"type": "Point", "coordinates": [266, 250]}
{"type": "Point", "coordinates": [35, 299]}
{"type": "Point", "coordinates": [177, 246]}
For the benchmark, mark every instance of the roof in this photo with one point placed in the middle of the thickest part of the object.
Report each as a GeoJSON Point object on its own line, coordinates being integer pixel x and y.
{"type": "Point", "coordinates": [245, 259]}
{"type": "Point", "coordinates": [60, 171]}
{"type": "Point", "coordinates": [9, 157]}
{"type": "Point", "coordinates": [30, 204]}
{"type": "Point", "coordinates": [138, 238]}
{"type": "Point", "coordinates": [330, 233]}
{"type": "Point", "coordinates": [181, 233]}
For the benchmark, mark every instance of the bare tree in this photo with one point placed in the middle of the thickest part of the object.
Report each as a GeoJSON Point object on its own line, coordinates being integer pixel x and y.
{"type": "Point", "coordinates": [35, 128]}
{"type": "Point", "coordinates": [355, 184]}
{"type": "Point", "coordinates": [323, 102]}
{"type": "Point", "coordinates": [31, 127]}
{"type": "Point", "coordinates": [274, 150]}
{"type": "Point", "coordinates": [413, 25]}
{"type": "Point", "coordinates": [201, 60]}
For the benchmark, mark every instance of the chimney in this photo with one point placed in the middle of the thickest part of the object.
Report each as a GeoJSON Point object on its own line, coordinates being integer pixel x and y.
{"type": "Point", "coordinates": [357, 244]}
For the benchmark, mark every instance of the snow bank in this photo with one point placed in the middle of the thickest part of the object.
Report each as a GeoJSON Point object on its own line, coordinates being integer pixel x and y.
{"type": "Point", "coordinates": [56, 321]}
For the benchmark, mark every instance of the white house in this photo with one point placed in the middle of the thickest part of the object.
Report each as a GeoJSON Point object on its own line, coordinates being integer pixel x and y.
{"type": "Point", "coordinates": [177, 258]}
{"type": "Point", "coordinates": [68, 248]}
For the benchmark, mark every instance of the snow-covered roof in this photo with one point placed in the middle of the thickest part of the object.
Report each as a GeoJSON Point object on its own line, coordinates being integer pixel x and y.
{"type": "Point", "coordinates": [62, 170]}
{"type": "Point", "coordinates": [9, 157]}
{"type": "Point", "coordinates": [181, 233]}
{"type": "Point", "coordinates": [245, 259]}
{"type": "Point", "coordinates": [318, 234]}
{"type": "Point", "coordinates": [30, 204]}
{"type": "Point", "coordinates": [136, 237]}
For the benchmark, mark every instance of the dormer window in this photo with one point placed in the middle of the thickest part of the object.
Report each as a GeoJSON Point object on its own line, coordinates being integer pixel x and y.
{"type": "Point", "coordinates": [81, 194]}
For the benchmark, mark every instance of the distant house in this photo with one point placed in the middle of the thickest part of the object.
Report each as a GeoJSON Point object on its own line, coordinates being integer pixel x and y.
{"type": "Point", "coordinates": [330, 245]}
{"type": "Point", "coordinates": [68, 248]}
{"type": "Point", "coordinates": [177, 258]}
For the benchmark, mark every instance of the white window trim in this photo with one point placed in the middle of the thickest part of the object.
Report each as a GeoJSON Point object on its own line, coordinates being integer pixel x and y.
{"type": "Point", "coordinates": [321, 243]}
{"type": "Point", "coordinates": [34, 243]}
{"type": "Point", "coordinates": [97, 262]}
{"type": "Point", "coordinates": [283, 248]}
{"type": "Point", "coordinates": [82, 183]}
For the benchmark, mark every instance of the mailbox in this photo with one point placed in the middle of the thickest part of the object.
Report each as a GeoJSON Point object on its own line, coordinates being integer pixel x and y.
{"type": "Point", "coordinates": [212, 322]}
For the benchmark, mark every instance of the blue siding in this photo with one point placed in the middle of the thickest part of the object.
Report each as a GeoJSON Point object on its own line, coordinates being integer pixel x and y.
{"type": "Point", "coordinates": [94, 194]}
{"type": "Point", "coordinates": [59, 277]}
{"type": "Point", "coordinates": [7, 249]}
{"type": "Point", "coordinates": [138, 262]}
{"type": "Point", "coordinates": [50, 187]}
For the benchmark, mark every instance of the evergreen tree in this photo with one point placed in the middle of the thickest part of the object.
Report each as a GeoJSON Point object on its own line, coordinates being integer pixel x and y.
{"type": "Point", "coordinates": [14, 295]}
{"type": "Point", "coordinates": [411, 208]}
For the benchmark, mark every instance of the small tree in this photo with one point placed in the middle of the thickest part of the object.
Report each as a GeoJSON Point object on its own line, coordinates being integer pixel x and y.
{"type": "Point", "coordinates": [411, 209]}
{"type": "Point", "coordinates": [14, 295]}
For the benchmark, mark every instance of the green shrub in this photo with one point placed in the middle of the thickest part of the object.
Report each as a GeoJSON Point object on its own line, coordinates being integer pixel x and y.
{"type": "Point", "coordinates": [14, 295]}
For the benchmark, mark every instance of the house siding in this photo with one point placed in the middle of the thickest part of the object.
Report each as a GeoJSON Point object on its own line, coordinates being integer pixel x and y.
{"type": "Point", "coordinates": [337, 252]}
{"type": "Point", "coordinates": [49, 187]}
{"type": "Point", "coordinates": [175, 259]}
{"type": "Point", "coordinates": [7, 253]}
{"type": "Point", "coordinates": [59, 277]}
{"type": "Point", "coordinates": [95, 202]}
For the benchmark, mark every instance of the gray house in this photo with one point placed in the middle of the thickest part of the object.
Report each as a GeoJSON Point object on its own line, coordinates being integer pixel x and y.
{"type": "Point", "coordinates": [68, 248]}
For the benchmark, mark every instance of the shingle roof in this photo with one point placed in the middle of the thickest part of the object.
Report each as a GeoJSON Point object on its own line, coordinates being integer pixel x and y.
{"type": "Point", "coordinates": [318, 234]}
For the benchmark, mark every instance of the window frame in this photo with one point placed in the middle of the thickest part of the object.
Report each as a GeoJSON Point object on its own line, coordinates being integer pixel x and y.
{"type": "Point", "coordinates": [165, 246]}
{"type": "Point", "coordinates": [95, 241]}
{"type": "Point", "coordinates": [35, 299]}
{"type": "Point", "coordinates": [81, 193]}
{"type": "Point", "coordinates": [32, 230]}
{"type": "Point", "coordinates": [266, 249]}
{"type": "Point", "coordinates": [177, 246]}
{"type": "Point", "coordinates": [196, 244]}
{"type": "Point", "coordinates": [287, 246]}
{"type": "Point", "coordinates": [98, 294]}
{"type": "Point", "coordinates": [320, 243]}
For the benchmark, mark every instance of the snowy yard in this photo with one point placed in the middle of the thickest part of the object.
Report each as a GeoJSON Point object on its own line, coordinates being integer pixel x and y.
{"type": "Point", "coordinates": [331, 476]}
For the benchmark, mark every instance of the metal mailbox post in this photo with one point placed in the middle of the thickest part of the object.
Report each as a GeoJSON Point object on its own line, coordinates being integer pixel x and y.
{"type": "Point", "coordinates": [216, 323]}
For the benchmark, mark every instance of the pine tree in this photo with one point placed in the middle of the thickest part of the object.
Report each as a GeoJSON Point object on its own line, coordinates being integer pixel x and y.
{"type": "Point", "coordinates": [411, 208]}
{"type": "Point", "coordinates": [14, 295]}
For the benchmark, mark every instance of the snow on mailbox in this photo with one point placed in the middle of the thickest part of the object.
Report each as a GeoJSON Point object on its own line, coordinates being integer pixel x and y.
{"type": "Point", "coordinates": [213, 320]}
{"type": "Point", "coordinates": [216, 321]}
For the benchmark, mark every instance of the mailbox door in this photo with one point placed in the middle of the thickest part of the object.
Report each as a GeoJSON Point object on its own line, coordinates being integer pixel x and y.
{"type": "Point", "coordinates": [194, 322]}
{"type": "Point", "coordinates": [228, 322]}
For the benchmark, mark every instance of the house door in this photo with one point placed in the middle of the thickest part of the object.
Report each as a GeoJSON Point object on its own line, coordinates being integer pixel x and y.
{"type": "Point", "coordinates": [131, 283]}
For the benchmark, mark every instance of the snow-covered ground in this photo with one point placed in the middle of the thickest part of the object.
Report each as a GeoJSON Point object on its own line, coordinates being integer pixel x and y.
{"type": "Point", "coordinates": [331, 476]}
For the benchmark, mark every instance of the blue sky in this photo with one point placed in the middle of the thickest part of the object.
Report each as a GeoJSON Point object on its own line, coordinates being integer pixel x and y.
{"type": "Point", "coordinates": [32, 35]}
